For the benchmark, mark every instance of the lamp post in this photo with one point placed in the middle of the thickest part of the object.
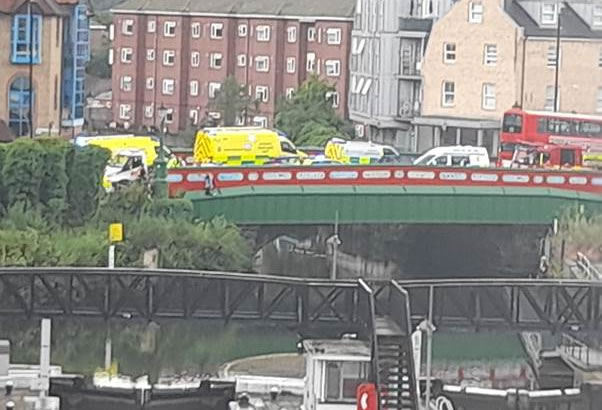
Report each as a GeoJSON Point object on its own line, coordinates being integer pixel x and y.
{"type": "Point", "coordinates": [30, 77]}
{"type": "Point", "coordinates": [160, 182]}
{"type": "Point", "coordinates": [557, 65]}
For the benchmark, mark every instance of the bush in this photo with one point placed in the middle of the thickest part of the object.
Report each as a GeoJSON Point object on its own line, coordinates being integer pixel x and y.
{"type": "Point", "coordinates": [53, 189]}
{"type": "Point", "coordinates": [22, 173]}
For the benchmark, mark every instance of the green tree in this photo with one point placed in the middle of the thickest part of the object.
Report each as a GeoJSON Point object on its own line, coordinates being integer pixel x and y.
{"type": "Point", "coordinates": [232, 101]}
{"type": "Point", "coordinates": [309, 118]}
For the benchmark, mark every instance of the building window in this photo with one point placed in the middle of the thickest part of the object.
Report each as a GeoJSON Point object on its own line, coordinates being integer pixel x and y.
{"type": "Point", "coordinates": [342, 380]}
{"type": "Point", "coordinates": [263, 33]}
{"type": "Point", "coordinates": [311, 62]}
{"type": "Point", "coordinates": [333, 68]}
{"type": "Point", "coordinates": [150, 83]}
{"type": "Point", "coordinates": [262, 64]}
{"type": "Point", "coordinates": [488, 98]}
{"type": "Point", "coordinates": [148, 111]}
{"type": "Point", "coordinates": [169, 29]}
{"type": "Point", "coordinates": [311, 34]}
{"type": "Point", "coordinates": [169, 116]}
{"type": "Point", "coordinates": [214, 89]}
{"type": "Point", "coordinates": [126, 83]}
{"type": "Point", "coordinates": [125, 111]}
{"type": "Point", "coordinates": [169, 57]}
{"type": "Point", "coordinates": [333, 36]}
{"type": "Point", "coordinates": [490, 54]}
{"type": "Point", "coordinates": [18, 106]}
{"type": "Point", "coordinates": [217, 31]}
{"type": "Point", "coordinates": [215, 60]}
{"type": "Point", "coordinates": [126, 55]}
{"type": "Point", "coordinates": [169, 85]}
{"type": "Point", "coordinates": [549, 102]}
{"type": "Point", "coordinates": [599, 100]}
{"type": "Point", "coordinates": [291, 34]}
{"type": "Point", "coordinates": [241, 60]}
{"type": "Point", "coordinates": [195, 59]}
{"type": "Point", "coordinates": [291, 65]}
{"type": "Point", "coordinates": [195, 29]}
{"type": "Point", "coordinates": [600, 58]}
{"type": "Point", "coordinates": [597, 22]}
{"type": "Point", "coordinates": [150, 54]}
{"type": "Point", "coordinates": [194, 116]}
{"type": "Point", "coordinates": [448, 97]}
{"type": "Point", "coordinates": [449, 53]}
{"type": "Point", "coordinates": [549, 13]}
{"type": "Point", "coordinates": [243, 30]}
{"type": "Point", "coordinates": [290, 93]}
{"type": "Point", "coordinates": [262, 93]}
{"type": "Point", "coordinates": [151, 26]}
{"type": "Point", "coordinates": [475, 12]}
{"type": "Point", "coordinates": [127, 27]}
{"type": "Point", "coordinates": [21, 39]}
{"type": "Point", "coordinates": [260, 121]}
{"type": "Point", "coordinates": [551, 56]}
{"type": "Point", "coordinates": [334, 98]}
{"type": "Point", "coordinates": [194, 88]}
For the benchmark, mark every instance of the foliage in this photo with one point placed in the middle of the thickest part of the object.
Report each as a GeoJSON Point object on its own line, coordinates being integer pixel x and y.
{"type": "Point", "coordinates": [99, 62]}
{"type": "Point", "coordinates": [2, 193]}
{"type": "Point", "coordinates": [22, 173]}
{"type": "Point", "coordinates": [308, 117]}
{"type": "Point", "coordinates": [53, 188]}
{"type": "Point", "coordinates": [232, 101]}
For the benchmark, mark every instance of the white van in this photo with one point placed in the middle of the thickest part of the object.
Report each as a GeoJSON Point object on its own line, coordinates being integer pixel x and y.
{"type": "Point", "coordinates": [358, 152]}
{"type": "Point", "coordinates": [455, 156]}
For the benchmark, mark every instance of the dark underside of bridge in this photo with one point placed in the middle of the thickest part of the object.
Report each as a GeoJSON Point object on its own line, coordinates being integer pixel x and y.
{"type": "Point", "coordinates": [394, 251]}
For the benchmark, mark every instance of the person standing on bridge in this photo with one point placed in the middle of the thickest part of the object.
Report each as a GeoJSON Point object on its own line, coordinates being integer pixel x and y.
{"type": "Point", "coordinates": [243, 403]}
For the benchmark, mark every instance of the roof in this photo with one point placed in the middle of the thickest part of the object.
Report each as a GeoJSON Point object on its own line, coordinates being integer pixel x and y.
{"type": "Point", "coordinates": [338, 9]}
{"type": "Point", "coordinates": [572, 116]}
{"type": "Point", "coordinates": [415, 24]}
{"type": "Point", "coordinates": [48, 7]}
{"type": "Point", "coordinates": [572, 26]}
{"type": "Point", "coordinates": [333, 347]}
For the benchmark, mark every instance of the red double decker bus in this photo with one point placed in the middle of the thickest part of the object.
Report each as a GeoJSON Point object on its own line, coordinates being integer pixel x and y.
{"type": "Point", "coordinates": [542, 127]}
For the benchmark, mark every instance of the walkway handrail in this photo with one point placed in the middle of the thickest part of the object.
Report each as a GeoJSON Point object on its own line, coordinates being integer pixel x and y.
{"type": "Point", "coordinates": [589, 271]}
{"type": "Point", "coordinates": [580, 351]}
{"type": "Point", "coordinates": [366, 312]}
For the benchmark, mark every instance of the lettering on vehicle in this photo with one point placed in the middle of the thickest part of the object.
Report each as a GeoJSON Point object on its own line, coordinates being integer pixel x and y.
{"type": "Point", "coordinates": [343, 174]}
{"type": "Point", "coordinates": [555, 179]}
{"type": "Point", "coordinates": [195, 177]}
{"type": "Point", "coordinates": [277, 176]}
{"type": "Point", "coordinates": [520, 179]}
{"type": "Point", "coordinates": [421, 175]}
{"type": "Point", "coordinates": [453, 176]}
{"type": "Point", "coordinates": [578, 180]}
{"type": "Point", "coordinates": [176, 178]}
{"type": "Point", "coordinates": [381, 174]}
{"type": "Point", "coordinates": [399, 174]}
{"type": "Point", "coordinates": [597, 181]}
{"type": "Point", "coordinates": [538, 179]}
{"type": "Point", "coordinates": [230, 176]}
{"type": "Point", "coordinates": [253, 176]}
{"type": "Point", "coordinates": [304, 176]}
{"type": "Point", "coordinates": [478, 177]}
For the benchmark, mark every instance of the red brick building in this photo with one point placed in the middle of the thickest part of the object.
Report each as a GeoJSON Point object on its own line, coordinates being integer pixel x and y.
{"type": "Point", "coordinates": [177, 53]}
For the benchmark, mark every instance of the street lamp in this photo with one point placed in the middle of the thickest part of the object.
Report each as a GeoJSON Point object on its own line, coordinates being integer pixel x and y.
{"type": "Point", "coordinates": [160, 183]}
{"type": "Point", "coordinates": [557, 65]}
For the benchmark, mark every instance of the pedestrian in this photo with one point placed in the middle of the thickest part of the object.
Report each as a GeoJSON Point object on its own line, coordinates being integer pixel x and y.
{"type": "Point", "coordinates": [273, 402]}
{"type": "Point", "coordinates": [243, 403]}
{"type": "Point", "coordinates": [209, 187]}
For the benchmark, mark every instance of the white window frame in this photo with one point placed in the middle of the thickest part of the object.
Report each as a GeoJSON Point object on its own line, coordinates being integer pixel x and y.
{"type": "Point", "coordinates": [289, 93]}
{"type": "Point", "coordinates": [167, 56]}
{"type": "Point", "coordinates": [333, 36]}
{"type": "Point", "coordinates": [488, 97]}
{"type": "Point", "coordinates": [217, 31]}
{"type": "Point", "coordinates": [263, 33]}
{"type": "Point", "coordinates": [332, 68]}
{"type": "Point", "coordinates": [150, 83]}
{"type": "Point", "coordinates": [475, 12]}
{"type": "Point", "coordinates": [445, 93]}
{"type": "Point", "coordinates": [243, 30]}
{"type": "Point", "coordinates": [150, 54]}
{"type": "Point", "coordinates": [151, 26]}
{"type": "Point", "coordinates": [127, 27]}
{"type": "Point", "coordinates": [169, 29]}
{"type": "Point", "coordinates": [311, 34]}
{"type": "Point", "coordinates": [193, 115]}
{"type": "Point", "coordinates": [335, 97]}
{"type": "Point", "coordinates": [549, 13]}
{"type": "Point", "coordinates": [148, 111]}
{"type": "Point", "coordinates": [213, 61]}
{"type": "Point", "coordinates": [597, 16]}
{"type": "Point", "coordinates": [551, 57]}
{"type": "Point", "coordinates": [262, 93]}
{"type": "Point", "coordinates": [125, 83]}
{"type": "Point", "coordinates": [196, 29]}
{"type": "Point", "coordinates": [291, 65]}
{"type": "Point", "coordinates": [449, 55]}
{"type": "Point", "coordinates": [127, 55]}
{"type": "Point", "coordinates": [241, 60]}
{"type": "Point", "coordinates": [125, 111]}
{"type": "Point", "coordinates": [213, 89]}
{"type": "Point", "coordinates": [195, 59]}
{"type": "Point", "coordinates": [262, 64]}
{"type": "Point", "coordinates": [168, 86]}
{"type": "Point", "coordinates": [169, 114]}
{"type": "Point", "coordinates": [310, 65]}
{"type": "Point", "coordinates": [600, 58]}
{"type": "Point", "coordinates": [599, 100]}
{"type": "Point", "coordinates": [490, 55]}
{"type": "Point", "coordinates": [291, 34]}
{"type": "Point", "coordinates": [193, 88]}
{"type": "Point", "coordinates": [549, 97]}
{"type": "Point", "coordinates": [260, 121]}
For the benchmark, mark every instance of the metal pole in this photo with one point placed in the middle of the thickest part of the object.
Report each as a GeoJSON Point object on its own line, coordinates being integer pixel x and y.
{"type": "Point", "coordinates": [160, 165]}
{"type": "Point", "coordinates": [429, 348]}
{"type": "Point", "coordinates": [30, 22]}
{"type": "Point", "coordinates": [557, 66]}
{"type": "Point", "coordinates": [111, 263]}
{"type": "Point", "coordinates": [108, 349]}
{"type": "Point", "coordinates": [335, 245]}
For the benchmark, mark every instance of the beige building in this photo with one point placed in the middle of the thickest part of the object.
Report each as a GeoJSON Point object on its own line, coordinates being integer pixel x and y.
{"type": "Point", "coordinates": [485, 56]}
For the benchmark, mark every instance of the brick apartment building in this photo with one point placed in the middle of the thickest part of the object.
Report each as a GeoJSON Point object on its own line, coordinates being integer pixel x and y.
{"type": "Point", "coordinates": [177, 53]}
{"type": "Point", "coordinates": [57, 33]}
{"type": "Point", "coordinates": [484, 56]}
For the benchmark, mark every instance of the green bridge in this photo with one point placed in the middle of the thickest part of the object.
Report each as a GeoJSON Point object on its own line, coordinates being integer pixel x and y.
{"type": "Point", "coordinates": [314, 205]}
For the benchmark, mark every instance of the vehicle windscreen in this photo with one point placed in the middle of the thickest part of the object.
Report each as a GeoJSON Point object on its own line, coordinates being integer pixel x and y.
{"type": "Point", "coordinates": [424, 160]}
{"type": "Point", "coordinates": [513, 123]}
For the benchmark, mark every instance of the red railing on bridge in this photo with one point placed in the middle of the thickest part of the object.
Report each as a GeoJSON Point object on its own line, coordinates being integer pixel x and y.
{"type": "Point", "coordinates": [193, 179]}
